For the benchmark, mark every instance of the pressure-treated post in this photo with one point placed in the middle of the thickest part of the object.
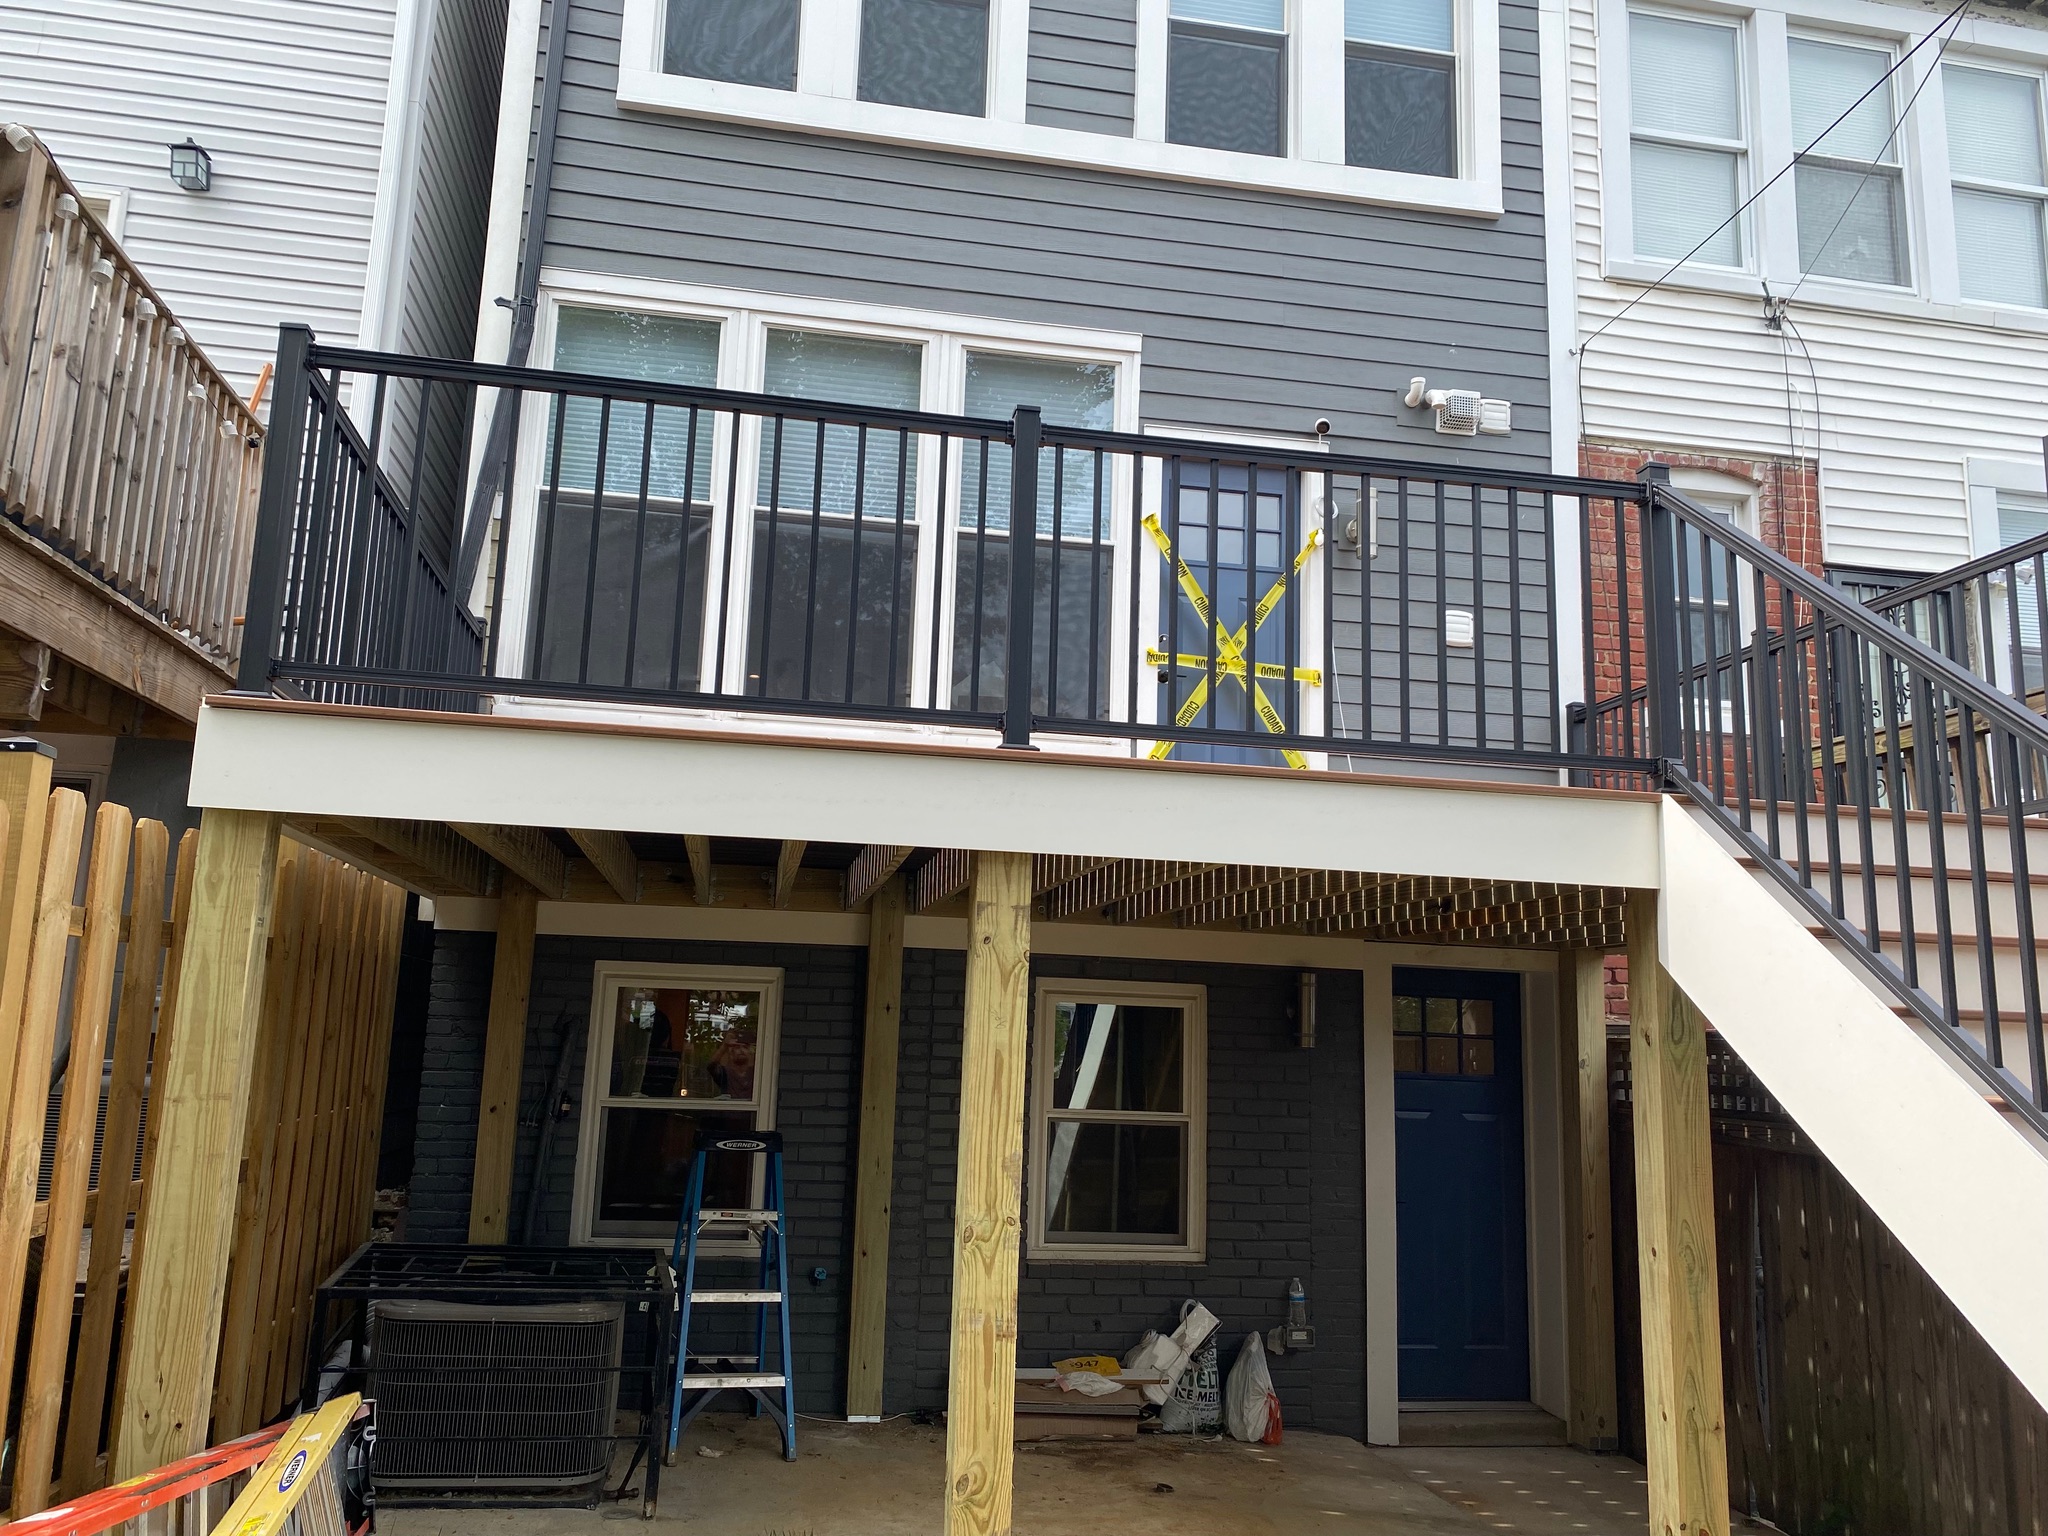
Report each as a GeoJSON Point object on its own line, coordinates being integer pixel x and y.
{"type": "Point", "coordinates": [25, 797]}
{"type": "Point", "coordinates": [1026, 432]}
{"type": "Point", "coordinates": [1685, 1428]}
{"type": "Point", "coordinates": [867, 1332]}
{"type": "Point", "coordinates": [987, 1205]}
{"type": "Point", "coordinates": [497, 1111]}
{"type": "Point", "coordinates": [1588, 1200]}
{"type": "Point", "coordinates": [197, 1111]}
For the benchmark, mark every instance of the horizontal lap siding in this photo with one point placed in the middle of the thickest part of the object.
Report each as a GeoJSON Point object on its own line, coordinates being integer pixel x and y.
{"type": "Point", "coordinates": [288, 98]}
{"type": "Point", "coordinates": [1259, 312]}
{"type": "Point", "coordinates": [1083, 65]}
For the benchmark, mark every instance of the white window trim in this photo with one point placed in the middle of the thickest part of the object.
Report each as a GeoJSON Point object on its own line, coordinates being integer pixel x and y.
{"type": "Point", "coordinates": [1194, 1001]}
{"type": "Point", "coordinates": [827, 65]}
{"type": "Point", "coordinates": [607, 977]}
{"type": "Point", "coordinates": [1986, 477]}
{"type": "Point", "coordinates": [1935, 292]}
{"type": "Point", "coordinates": [116, 200]}
{"type": "Point", "coordinates": [747, 316]}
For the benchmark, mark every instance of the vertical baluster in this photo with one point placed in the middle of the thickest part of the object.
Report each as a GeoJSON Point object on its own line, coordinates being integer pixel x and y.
{"type": "Point", "coordinates": [1929, 727]}
{"type": "Point", "coordinates": [904, 453]}
{"type": "Point", "coordinates": [494, 632]}
{"type": "Point", "coordinates": [1972, 806]}
{"type": "Point", "coordinates": [1827, 736]}
{"type": "Point", "coordinates": [1859, 726]}
{"type": "Point", "coordinates": [630, 668]}
{"type": "Point", "coordinates": [594, 538]}
{"type": "Point", "coordinates": [1443, 649]}
{"type": "Point", "coordinates": [860, 487]}
{"type": "Point", "coordinates": [1134, 560]}
{"type": "Point", "coordinates": [538, 666]}
{"type": "Point", "coordinates": [980, 574]}
{"type": "Point", "coordinates": [1515, 615]}
{"type": "Point", "coordinates": [770, 553]}
{"type": "Point", "coordinates": [679, 624]}
{"type": "Point", "coordinates": [1053, 613]}
{"type": "Point", "coordinates": [817, 530]}
{"type": "Point", "coordinates": [1402, 598]}
{"type": "Point", "coordinates": [1896, 791]}
{"type": "Point", "coordinates": [1097, 545]}
{"type": "Point", "coordinates": [727, 576]}
{"type": "Point", "coordinates": [1741, 688]}
{"type": "Point", "coordinates": [2023, 907]}
{"type": "Point", "coordinates": [1799, 758]}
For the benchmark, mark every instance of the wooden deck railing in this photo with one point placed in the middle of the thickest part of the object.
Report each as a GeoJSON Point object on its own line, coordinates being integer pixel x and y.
{"type": "Point", "coordinates": [121, 445]}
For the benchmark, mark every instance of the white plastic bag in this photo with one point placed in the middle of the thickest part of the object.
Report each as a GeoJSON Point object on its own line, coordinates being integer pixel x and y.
{"type": "Point", "coordinates": [1088, 1383]}
{"type": "Point", "coordinates": [1167, 1358]}
{"type": "Point", "coordinates": [1196, 1407]}
{"type": "Point", "coordinates": [1251, 1409]}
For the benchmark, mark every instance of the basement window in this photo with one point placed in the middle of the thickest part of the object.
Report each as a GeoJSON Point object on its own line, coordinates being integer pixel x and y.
{"type": "Point", "coordinates": [675, 1052]}
{"type": "Point", "coordinates": [1120, 1083]}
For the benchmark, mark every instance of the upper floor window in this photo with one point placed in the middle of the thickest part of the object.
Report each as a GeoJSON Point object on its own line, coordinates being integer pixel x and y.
{"type": "Point", "coordinates": [1226, 75]}
{"type": "Point", "coordinates": [2001, 188]}
{"type": "Point", "coordinates": [1687, 140]}
{"type": "Point", "coordinates": [1401, 86]}
{"type": "Point", "coordinates": [925, 53]}
{"type": "Point", "coordinates": [743, 42]}
{"type": "Point", "coordinates": [1849, 187]}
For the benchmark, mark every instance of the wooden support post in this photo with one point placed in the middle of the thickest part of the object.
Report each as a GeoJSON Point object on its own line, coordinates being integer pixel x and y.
{"type": "Point", "coordinates": [981, 1383]}
{"type": "Point", "coordinates": [699, 851]}
{"type": "Point", "coordinates": [25, 800]}
{"type": "Point", "coordinates": [497, 1114]}
{"type": "Point", "coordinates": [1594, 1419]}
{"type": "Point", "coordinates": [92, 998]}
{"type": "Point", "coordinates": [787, 863]}
{"type": "Point", "coordinates": [867, 1330]}
{"type": "Point", "coordinates": [1687, 1434]}
{"type": "Point", "coordinates": [198, 1117]}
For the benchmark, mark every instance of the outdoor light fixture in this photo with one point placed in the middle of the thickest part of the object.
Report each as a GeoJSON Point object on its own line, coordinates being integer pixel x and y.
{"type": "Point", "coordinates": [191, 166]}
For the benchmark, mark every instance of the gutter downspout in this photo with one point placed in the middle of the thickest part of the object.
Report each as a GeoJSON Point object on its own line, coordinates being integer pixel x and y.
{"type": "Point", "coordinates": [505, 415]}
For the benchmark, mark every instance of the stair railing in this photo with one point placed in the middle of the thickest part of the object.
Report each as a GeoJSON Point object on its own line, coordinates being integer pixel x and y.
{"type": "Point", "coordinates": [1987, 615]}
{"type": "Point", "coordinates": [1831, 745]}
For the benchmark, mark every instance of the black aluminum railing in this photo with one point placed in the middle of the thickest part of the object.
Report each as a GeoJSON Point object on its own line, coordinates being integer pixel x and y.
{"type": "Point", "coordinates": [1893, 793]}
{"type": "Point", "coordinates": [667, 546]}
{"type": "Point", "coordinates": [1987, 615]}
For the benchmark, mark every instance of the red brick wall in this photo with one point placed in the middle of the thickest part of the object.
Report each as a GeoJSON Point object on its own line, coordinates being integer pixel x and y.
{"type": "Point", "coordinates": [1788, 509]}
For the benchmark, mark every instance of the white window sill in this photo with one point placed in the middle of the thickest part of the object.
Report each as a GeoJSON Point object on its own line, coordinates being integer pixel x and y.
{"type": "Point", "coordinates": [1821, 293]}
{"type": "Point", "coordinates": [1106, 1253]}
{"type": "Point", "coordinates": [652, 91]}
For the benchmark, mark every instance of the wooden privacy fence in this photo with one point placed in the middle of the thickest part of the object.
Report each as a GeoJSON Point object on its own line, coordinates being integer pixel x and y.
{"type": "Point", "coordinates": [97, 1025]}
{"type": "Point", "coordinates": [121, 445]}
{"type": "Point", "coordinates": [1858, 1400]}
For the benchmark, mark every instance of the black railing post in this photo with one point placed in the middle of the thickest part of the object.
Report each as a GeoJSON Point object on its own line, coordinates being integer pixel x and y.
{"type": "Point", "coordinates": [1661, 618]}
{"type": "Point", "coordinates": [283, 443]}
{"type": "Point", "coordinates": [1025, 435]}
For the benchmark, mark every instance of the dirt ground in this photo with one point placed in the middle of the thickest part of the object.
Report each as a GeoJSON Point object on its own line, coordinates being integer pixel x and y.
{"type": "Point", "coordinates": [884, 1480]}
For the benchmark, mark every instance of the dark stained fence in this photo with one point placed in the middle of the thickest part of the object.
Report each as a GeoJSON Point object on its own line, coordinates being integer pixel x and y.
{"type": "Point", "coordinates": [1859, 1402]}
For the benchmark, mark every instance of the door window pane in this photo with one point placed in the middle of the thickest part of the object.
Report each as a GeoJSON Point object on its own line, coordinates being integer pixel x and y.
{"type": "Point", "coordinates": [744, 42]}
{"type": "Point", "coordinates": [925, 53]}
{"type": "Point", "coordinates": [836, 466]}
{"type": "Point", "coordinates": [1444, 1036]}
{"type": "Point", "coordinates": [1848, 187]}
{"type": "Point", "coordinates": [1686, 147]}
{"type": "Point", "coordinates": [1226, 76]}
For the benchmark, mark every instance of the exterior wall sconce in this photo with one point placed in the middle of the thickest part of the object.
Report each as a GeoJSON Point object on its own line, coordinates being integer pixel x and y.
{"type": "Point", "coordinates": [191, 166]}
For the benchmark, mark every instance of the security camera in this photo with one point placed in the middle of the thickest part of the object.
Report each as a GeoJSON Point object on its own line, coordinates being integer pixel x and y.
{"type": "Point", "coordinates": [1322, 426]}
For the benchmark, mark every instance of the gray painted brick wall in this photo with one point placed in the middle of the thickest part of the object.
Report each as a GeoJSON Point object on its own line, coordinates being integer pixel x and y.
{"type": "Point", "coordinates": [1286, 1186]}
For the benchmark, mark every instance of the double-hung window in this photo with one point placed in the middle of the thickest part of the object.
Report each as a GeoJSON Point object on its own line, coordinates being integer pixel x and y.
{"type": "Point", "coordinates": [1849, 186]}
{"type": "Point", "coordinates": [742, 42]}
{"type": "Point", "coordinates": [925, 53]}
{"type": "Point", "coordinates": [1118, 1166]}
{"type": "Point", "coordinates": [2001, 187]}
{"type": "Point", "coordinates": [1226, 75]}
{"type": "Point", "coordinates": [1401, 86]}
{"type": "Point", "coordinates": [1687, 139]}
{"type": "Point", "coordinates": [676, 1052]}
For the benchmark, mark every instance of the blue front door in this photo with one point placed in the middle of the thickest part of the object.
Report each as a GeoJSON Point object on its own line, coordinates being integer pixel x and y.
{"type": "Point", "coordinates": [1458, 1172]}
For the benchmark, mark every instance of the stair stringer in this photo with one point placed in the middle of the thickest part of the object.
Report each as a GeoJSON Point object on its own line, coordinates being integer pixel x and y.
{"type": "Point", "coordinates": [1963, 1191]}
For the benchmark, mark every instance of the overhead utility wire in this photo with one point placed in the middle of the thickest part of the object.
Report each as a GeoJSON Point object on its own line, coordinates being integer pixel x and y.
{"type": "Point", "coordinates": [1882, 82]}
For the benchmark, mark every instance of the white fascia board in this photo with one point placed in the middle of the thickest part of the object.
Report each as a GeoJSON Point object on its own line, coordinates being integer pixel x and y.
{"type": "Point", "coordinates": [441, 768]}
{"type": "Point", "coordinates": [1962, 1190]}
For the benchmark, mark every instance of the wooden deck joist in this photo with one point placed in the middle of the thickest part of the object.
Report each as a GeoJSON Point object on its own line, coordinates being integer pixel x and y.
{"type": "Point", "coordinates": [425, 855]}
{"type": "Point", "coordinates": [612, 857]}
{"type": "Point", "coordinates": [527, 851]}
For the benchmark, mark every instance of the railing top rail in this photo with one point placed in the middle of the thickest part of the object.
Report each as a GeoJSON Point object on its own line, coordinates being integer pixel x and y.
{"type": "Point", "coordinates": [549, 381]}
{"type": "Point", "coordinates": [1969, 570]}
{"type": "Point", "coordinates": [1849, 614]}
{"type": "Point", "coordinates": [1151, 445]}
{"type": "Point", "coordinates": [553, 381]}
{"type": "Point", "coordinates": [24, 140]}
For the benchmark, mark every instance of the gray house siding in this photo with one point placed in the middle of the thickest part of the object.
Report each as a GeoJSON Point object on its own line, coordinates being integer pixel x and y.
{"type": "Point", "coordinates": [1081, 73]}
{"type": "Point", "coordinates": [1286, 1181]}
{"type": "Point", "coordinates": [1259, 312]}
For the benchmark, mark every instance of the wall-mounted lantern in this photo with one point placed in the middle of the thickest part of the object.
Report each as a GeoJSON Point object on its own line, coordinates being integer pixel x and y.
{"type": "Point", "coordinates": [191, 166]}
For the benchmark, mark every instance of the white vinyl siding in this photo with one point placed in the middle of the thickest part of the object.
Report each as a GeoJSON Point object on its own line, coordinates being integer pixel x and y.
{"type": "Point", "coordinates": [289, 99]}
{"type": "Point", "coordinates": [1911, 383]}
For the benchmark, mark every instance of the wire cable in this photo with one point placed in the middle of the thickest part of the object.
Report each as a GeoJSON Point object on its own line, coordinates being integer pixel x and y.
{"type": "Point", "coordinates": [1868, 176]}
{"type": "Point", "coordinates": [1883, 82]}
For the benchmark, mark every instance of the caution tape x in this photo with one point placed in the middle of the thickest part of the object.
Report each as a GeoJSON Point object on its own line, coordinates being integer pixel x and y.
{"type": "Point", "coordinates": [1229, 660]}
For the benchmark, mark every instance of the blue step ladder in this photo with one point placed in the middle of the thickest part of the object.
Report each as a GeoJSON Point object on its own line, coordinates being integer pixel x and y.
{"type": "Point", "coordinates": [766, 1227]}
